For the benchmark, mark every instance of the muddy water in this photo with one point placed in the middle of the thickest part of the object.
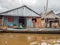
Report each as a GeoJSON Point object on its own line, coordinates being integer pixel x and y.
{"type": "Point", "coordinates": [29, 39]}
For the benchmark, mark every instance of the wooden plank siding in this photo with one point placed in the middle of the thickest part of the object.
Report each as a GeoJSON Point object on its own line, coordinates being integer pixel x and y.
{"type": "Point", "coordinates": [38, 23]}
{"type": "Point", "coordinates": [29, 22]}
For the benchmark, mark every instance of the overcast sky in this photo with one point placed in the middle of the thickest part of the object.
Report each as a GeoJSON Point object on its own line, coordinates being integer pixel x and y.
{"type": "Point", "coordinates": [36, 5]}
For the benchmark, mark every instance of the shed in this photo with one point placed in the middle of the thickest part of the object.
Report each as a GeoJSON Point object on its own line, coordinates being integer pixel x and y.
{"type": "Point", "coordinates": [20, 17]}
{"type": "Point", "coordinates": [50, 19]}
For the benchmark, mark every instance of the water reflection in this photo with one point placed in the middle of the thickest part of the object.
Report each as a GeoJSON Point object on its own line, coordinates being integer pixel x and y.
{"type": "Point", "coordinates": [44, 39]}
{"type": "Point", "coordinates": [29, 39]}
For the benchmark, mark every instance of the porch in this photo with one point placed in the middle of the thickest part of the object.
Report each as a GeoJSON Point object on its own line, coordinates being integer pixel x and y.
{"type": "Point", "coordinates": [52, 22]}
{"type": "Point", "coordinates": [19, 22]}
{"type": "Point", "coordinates": [12, 22]}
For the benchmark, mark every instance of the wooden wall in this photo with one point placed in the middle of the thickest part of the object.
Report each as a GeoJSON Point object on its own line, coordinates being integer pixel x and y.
{"type": "Point", "coordinates": [38, 24]}
{"type": "Point", "coordinates": [29, 22]}
{"type": "Point", "coordinates": [11, 23]}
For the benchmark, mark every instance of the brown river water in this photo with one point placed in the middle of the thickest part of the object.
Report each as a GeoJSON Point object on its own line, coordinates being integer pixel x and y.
{"type": "Point", "coordinates": [29, 39]}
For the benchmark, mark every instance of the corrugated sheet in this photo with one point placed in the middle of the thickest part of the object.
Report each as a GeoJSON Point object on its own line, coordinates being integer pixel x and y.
{"type": "Point", "coordinates": [58, 14]}
{"type": "Point", "coordinates": [23, 11]}
{"type": "Point", "coordinates": [50, 14]}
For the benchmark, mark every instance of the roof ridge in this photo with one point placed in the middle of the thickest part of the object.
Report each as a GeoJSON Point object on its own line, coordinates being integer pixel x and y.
{"type": "Point", "coordinates": [51, 11]}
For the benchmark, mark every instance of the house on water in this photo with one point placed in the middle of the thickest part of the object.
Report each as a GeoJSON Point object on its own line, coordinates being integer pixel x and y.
{"type": "Point", "coordinates": [50, 19]}
{"type": "Point", "coordinates": [21, 17]}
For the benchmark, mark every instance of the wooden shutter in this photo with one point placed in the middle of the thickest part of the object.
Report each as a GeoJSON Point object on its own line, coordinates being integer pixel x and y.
{"type": "Point", "coordinates": [10, 19]}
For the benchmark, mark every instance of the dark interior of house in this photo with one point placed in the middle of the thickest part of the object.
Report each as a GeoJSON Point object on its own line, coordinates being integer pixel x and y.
{"type": "Point", "coordinates": [21, 22]}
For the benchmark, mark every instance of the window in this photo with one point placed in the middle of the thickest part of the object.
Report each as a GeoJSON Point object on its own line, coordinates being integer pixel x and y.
{"type": "Point", "coordinates": [1, 17]}
{"type": "Point", "coordinates": [10, 19]}
{"type": "Point", "coordinates": [34, 20]}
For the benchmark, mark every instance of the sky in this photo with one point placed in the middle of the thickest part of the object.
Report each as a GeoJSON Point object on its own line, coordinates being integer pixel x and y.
{"type": "Point", "coordinates": [36, 5]}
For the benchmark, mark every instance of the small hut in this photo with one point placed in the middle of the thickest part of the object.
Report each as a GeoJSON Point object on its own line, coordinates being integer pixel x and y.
{"type": "Point", "coordinates": [59, 18]}
{"type": "Point", "coordinates": [21, 17]}
{"type": "Point", "coordinates": [51, 20]}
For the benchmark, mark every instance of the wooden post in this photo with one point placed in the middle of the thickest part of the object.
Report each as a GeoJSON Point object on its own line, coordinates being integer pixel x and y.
{"type": "Point", "coordinates": [59, 22]}
{"type": "Point", "coordinates": [3, 21]}
{"type": "Point", "coordinates": [46, 23]}
{"type": "Point", "coordinates": [34, 24]}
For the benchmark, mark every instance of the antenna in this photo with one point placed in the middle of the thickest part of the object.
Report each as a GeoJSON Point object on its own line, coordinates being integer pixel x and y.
{"type": "Point", "coordinates": [44, 9]}
{"type": "Point", "coordinates": [46, 5]}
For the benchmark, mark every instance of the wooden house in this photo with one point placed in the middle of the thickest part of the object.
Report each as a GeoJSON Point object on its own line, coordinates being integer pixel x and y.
{"type": "Point", "coordinates": [50, 19]}
{"type": "Point", "coordinates": [59, 16]}
{"type": "Point", "coordinates": [21, 17]}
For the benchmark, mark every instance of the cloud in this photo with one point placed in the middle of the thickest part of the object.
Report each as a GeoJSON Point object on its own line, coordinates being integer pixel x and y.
{"type": "Point", "coordinates": [9, 3]}
{"type": "Point", "coordinates": [30, 2]}
{"type": "Point", "coordinates": [2, 9]}
{"type": "Point", "coordinates": [54, 5]}
{"type": "Point", "coordinates": [37, 5]}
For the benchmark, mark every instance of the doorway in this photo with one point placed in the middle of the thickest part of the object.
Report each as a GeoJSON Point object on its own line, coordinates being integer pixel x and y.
{"type": "Point", "coordinates": [22, 22]}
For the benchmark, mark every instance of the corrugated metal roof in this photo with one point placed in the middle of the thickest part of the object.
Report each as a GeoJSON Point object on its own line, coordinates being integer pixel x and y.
{"type": "Point", "coordinates": [50, 14]}
{"type": "Point", "coordinates": [21, 11]}
{"type": "Point", "coordinates": [58, 14]}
